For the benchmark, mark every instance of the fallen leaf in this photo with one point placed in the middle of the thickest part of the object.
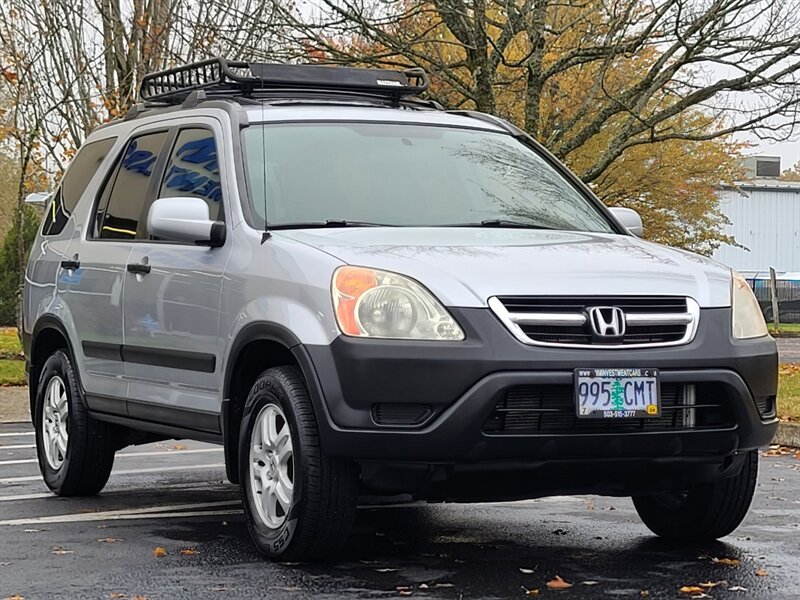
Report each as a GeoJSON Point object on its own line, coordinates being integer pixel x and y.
{"type": "Point", "coordinates": [444, 584]}
{"type": "Point", "coordinates": [110, 540]}
{"type": "Point", "coordinates": [731, 562]}
{"type": "Point", "coordinates": [761, 573]}
{"type": "Point", "coordinates": [644, 594]}
{"type": "Point", "coordinates": [532, 592]}
{"type": "Point", "coordinates": [178, 447]}
{"type": "Point", "coordinates": [16, 597]}
{"type": "Point", "coordinates": [386, 570]}
{"type": "Point", "coordinates": [158, 552]}
{"type": "Point", "coordinates": [188, 551]}
{"type": "Point", "coordinates": [30, 531]}
{"type": "Point", "coordinates": [405, 592]}
{"type": "Point", "coordinates": [558, 584]}
{"type": "Point", "coordinates": [423, 586]}
{"type": "Point", "coordinates": [709, 584]}
{"type": "Point", "coordinates": [218, 588]}
{"type": "Point", "coordinates": [737, 588]}
{"type": "Point", "coordinates": [690, 589]}
{"type": "Point", "coordinates": [117, 595]}
{"type": "Point", "coordinates": [526, 571]}
{"type": "Point", "coordinates": [139, 598]}
{"type": "Point", "coordinates": [60, 550]}
{"type": "Point", "coordinates": [700, 595]}
{"type": "Point", "coordinates": [591, 582]}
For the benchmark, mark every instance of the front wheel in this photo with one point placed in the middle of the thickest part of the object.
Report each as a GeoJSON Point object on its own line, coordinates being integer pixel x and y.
{"type": "Point", "coordinates": [704, 511]}
{"type": "Point", "coordinates": [299, 504]}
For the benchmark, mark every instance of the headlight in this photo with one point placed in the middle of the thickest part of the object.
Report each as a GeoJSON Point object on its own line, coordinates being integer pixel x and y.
{"type": "Point", "coordinates": [378, 304]}
{"type": "Point", "coordinates": [748, 321]}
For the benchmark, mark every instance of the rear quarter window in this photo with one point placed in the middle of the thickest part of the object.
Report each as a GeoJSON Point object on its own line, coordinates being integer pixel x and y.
{"type": "Point", "coordinates": [80, 172]}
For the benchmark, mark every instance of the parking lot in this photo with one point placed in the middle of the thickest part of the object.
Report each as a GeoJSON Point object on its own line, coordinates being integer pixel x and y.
{"type": "Point", "coordinates": [173, 496]}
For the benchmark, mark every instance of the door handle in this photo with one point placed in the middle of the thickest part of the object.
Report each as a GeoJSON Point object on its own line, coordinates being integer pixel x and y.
{"type": "Point", "coordinates": [71, 265]}
{"type": "Point", "coordinates": [140, 268]}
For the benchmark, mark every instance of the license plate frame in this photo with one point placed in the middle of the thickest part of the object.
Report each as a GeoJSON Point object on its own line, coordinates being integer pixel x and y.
{"type": "Point", "coordinates": [629, 393]}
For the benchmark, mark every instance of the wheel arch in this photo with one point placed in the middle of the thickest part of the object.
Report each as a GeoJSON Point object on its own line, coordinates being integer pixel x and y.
{"type": "Point", "coordinates": [48, 334]}
{"type": "Point", "coordinates": [257, 346]}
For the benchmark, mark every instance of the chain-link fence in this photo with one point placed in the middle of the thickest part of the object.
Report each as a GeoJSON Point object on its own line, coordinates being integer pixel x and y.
{"type": "Point", "coordinates": [788, 292]}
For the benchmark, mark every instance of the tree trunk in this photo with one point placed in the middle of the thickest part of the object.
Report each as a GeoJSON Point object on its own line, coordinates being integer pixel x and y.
{"type": "Point", "coordinates": [534, 80]}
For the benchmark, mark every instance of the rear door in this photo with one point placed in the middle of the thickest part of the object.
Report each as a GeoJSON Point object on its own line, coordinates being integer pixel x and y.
{"type": "Point", "coordinates": [93, 290]}
{"type": "Point", "coordinates": [171, 311]}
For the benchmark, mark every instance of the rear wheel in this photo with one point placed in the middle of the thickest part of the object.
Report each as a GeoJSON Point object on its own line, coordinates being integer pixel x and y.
{"type": "Point", "coordinates": [298, 502]}
{"type": "Point", "coordinates": [75, 452]}
{"type": "Point", "coordinates": [705, 511]}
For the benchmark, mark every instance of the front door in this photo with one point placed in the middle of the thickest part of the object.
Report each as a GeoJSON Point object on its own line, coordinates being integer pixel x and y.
{"type": "Point", "coordinates": [172, 300]}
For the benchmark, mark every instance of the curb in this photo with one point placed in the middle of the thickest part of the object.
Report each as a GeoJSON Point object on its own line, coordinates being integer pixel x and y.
{"type": "Point", "coordinates": [788, 434]}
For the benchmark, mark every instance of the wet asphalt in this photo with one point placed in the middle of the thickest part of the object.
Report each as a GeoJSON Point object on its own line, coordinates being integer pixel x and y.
{"type": "Point", "coordinates": [172, 495]}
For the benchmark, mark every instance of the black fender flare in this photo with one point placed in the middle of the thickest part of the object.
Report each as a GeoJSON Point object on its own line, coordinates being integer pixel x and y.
{"type": "Point", "coordinates": [231, 421]}
{"type": "Point", "coordinates": [47, 321]}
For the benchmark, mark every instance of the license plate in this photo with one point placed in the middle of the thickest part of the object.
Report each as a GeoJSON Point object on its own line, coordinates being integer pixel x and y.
{"type": "Point", "coordinates": [617, 393]}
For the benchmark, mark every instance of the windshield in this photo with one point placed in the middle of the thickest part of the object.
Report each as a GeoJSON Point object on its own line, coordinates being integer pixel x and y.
{"type": "Point", "coordinates": [406, 175]}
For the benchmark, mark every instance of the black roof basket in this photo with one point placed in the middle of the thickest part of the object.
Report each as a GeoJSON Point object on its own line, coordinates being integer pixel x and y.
{"type": "Point", "coordinates": [217, 76]}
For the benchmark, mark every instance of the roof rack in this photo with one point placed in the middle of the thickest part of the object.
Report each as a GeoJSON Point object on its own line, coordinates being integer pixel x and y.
{"type": "Point", "coordinates": [220, 77]}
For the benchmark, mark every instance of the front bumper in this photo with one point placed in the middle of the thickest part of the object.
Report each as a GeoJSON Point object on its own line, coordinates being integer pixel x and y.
{"type": "Point", "coordinates": [462, 382]}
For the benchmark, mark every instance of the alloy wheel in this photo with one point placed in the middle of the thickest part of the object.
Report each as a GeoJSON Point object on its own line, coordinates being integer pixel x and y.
{"type": "Point", "coordinates": [55, 422]}
{"type": "Point", "coordinates": [271, 466]}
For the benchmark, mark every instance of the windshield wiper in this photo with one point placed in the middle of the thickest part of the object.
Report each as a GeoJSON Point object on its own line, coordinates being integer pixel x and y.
{"type": "Point", "coordinates": [327, 223]}
{"type": "Point", "coordinates": [502, 223]}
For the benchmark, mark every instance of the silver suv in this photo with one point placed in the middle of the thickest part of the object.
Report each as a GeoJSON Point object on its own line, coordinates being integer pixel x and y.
{"type": "Point", "coordinates": [358, 293]}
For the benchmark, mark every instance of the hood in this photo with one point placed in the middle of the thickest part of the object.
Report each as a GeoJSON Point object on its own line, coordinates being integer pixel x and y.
{"type": "Point", "coordinates": [466, 266]}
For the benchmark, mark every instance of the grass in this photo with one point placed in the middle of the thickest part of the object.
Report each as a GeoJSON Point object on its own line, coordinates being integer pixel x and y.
{"type": "Point", "coordinates": [12, 365]}
{"type": "Point", "coordinates": [12, 372]}
{"type": "Point", "coordinates": [789, 392]}
{"type": "Point", "coordinates": [9, 343]}
{"type": "Point", "coordinates": [790, 328]}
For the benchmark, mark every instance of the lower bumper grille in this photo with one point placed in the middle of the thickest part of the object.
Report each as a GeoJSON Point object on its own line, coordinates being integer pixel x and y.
{"type": "Point", "coordinates": [541, 409]}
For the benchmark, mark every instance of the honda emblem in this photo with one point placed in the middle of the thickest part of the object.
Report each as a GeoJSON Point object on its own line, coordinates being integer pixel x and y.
{"type": "Point", "coordinates": [607, 321]}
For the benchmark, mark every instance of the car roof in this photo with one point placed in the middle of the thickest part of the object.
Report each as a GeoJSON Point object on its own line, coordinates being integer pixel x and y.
{"type": "Point", "coordinates": [293, 112]}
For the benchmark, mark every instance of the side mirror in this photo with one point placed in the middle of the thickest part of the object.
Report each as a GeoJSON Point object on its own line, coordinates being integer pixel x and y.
{"type": "Point", "coordinates": [184, 220]}
{"type": "Point", "coordinates": [629, 219]}
{"type": "Point", "coordinates": [37, 198]}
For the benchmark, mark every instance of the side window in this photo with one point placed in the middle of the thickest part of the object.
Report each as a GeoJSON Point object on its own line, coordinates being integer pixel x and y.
{"type": "Point", "coordinates": [193, 170]}
{"type": "Point", "coordinates": [79, 174]}
{"type": "Point", "coordinates": [125, 193]}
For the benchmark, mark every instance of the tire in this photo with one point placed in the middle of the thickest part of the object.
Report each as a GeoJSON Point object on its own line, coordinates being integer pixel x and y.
{"type": "Point", "coordinates": [81, 464]}
{"type": "Point", "coordinates": [703, 512]}
{"type": "Point", "coordinates": [312, 518]}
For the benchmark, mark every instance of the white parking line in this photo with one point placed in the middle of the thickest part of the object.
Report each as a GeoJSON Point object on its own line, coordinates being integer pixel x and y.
{"type": "Point", "coordinates": [205, 486]}
{"type": "Point", "coordinates": [8, 480]}
{"type": "Point", "coordinates": [150, 512]}
{"type": "Point", "coordinates": [30, 461]}
{"type": "Point", "coordinates": [99, 517]}
{"type": "Point", "coordinates": [27, 497]}
{"type": "Point", "coordinates": [14, 433]}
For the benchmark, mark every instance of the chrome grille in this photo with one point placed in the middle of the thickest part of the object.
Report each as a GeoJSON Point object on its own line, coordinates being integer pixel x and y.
{"type": "Point", "coordinates": [649, 321]}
